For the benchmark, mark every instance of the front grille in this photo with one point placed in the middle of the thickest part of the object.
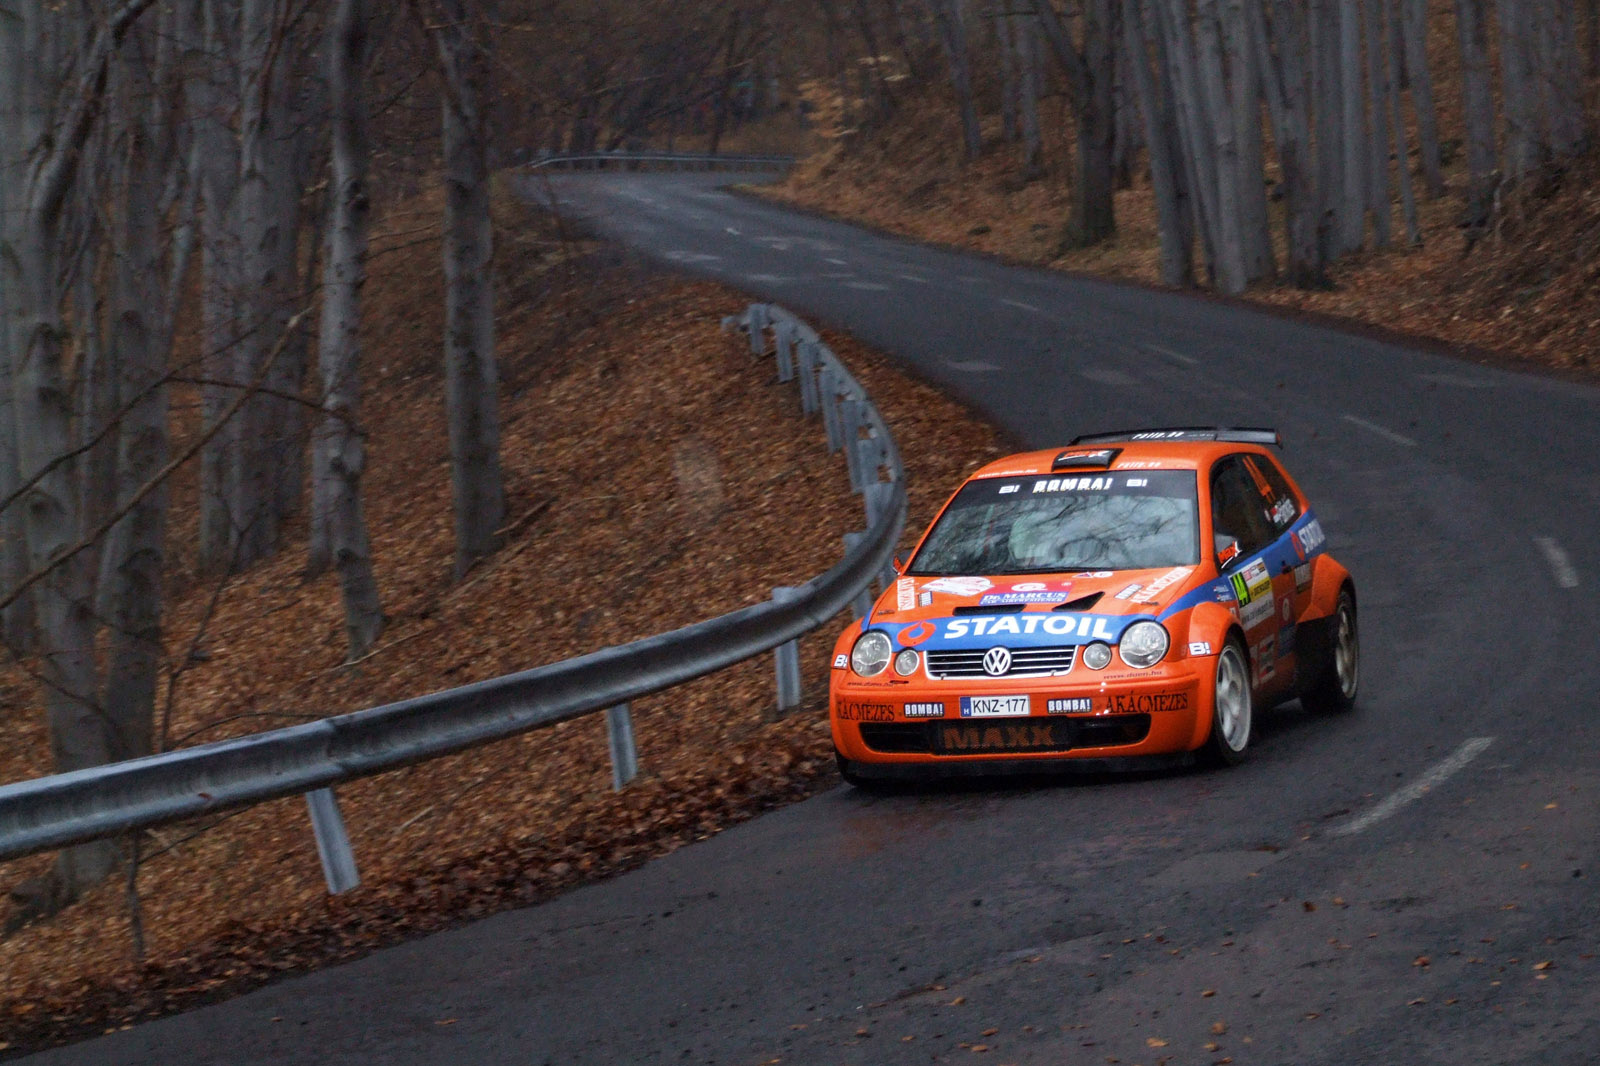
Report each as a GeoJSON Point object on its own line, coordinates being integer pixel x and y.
{"type": "Point", "coordinates": [1003, 736]}
{"type": "Point", "coordinates": [1025, 662]}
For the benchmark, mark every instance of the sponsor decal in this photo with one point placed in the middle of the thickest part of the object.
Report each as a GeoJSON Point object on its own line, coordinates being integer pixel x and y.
{"type": "Point", "coordinates": [1199, 647]}
{"type": "Point", "coordinates": [1006, 490]}
{"type": "Point", "coordinates": [1073, 706]}
{"type": "Point", "coordinates": [905, 594]}
{"type": "Point", "coordinates": [1129, 591]}
{"type": "Point", "coordinates": [1013, 473]}
{"type": "Point", "coordinates": [925, 598]}
{"type": "Point", "coordinates": [1074, 484]}
{"type": "Point", "coordinates": [1088, 626]}
{"type": "Point", "coordinates": [1148, 703]}
{"type": "Point", "coordinates": [1028, 586]}
{"type": "Point", "coordinates": [1255, 612]}
{"type": "Point", "coordinates": [924, 710]}
{"type": "Point", "coordinates": [913, 635]}
{"type": "Point", "coordinates": [1229, 553]}
{"type": "Point", "coordinates": [1137, 482]}
{"type": "Point", "coordinates": [1095, 575]}
{"type": "Point", "coordinates": [1099, 457]}
{"type": "Point", "coordinates": [1162, 584]}
{"type": "Point", "coordinates": [1021, 736]}
{"type": "Point", "coordinates": [859, 711]}
{"type": "Point", "coordinates": [1311, 537]}
{"type": "Point", "coordinates": [1139, 464]}
{"type": "Point", "coordinates": [1266, 658]}
{"type": "Point", "coordinates": [1287, 610]}
{"type": "Point", "coordinates": [841, 662]}
{"type": "Point", "coordinates": [1161, 434]}
{"type": "Point", "coordinates": [994, 706]}
{"type": "Point", "coordinates": [1001, 599]}
{"type": "Point", "coordinates": [1223, 591]}
{"type": "Point", "coordinates": [1282, 512]}
{"type": "Point", "coordinates": [960, 586]}
{"type": "Point", "coordinates": [1302, 577]}
{"type": "Point", "coordinates": [1286, 641]}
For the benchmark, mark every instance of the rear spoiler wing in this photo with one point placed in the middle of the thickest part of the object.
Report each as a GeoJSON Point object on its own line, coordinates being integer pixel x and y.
{"type": "Point", "coordinates": [1239, 435]}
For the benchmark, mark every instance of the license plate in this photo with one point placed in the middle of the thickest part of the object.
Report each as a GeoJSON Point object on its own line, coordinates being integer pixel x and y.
{"type": "Point", "coordinates": [994, 706]}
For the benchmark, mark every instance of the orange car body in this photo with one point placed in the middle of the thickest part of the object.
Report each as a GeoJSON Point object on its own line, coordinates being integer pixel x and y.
{"type": "Point", "coordinates": [1274, 600]}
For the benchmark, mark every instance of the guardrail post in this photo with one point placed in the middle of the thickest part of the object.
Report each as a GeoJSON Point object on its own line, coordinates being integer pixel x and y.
{"type": "Point", "coordinates": [758, 327]}
{"type": "Point", "coordinates": [807, 353]}
{"type": "Point", "coordinates": [850, 431]}
{"type": "Point", "coordinates": [787, 659]}
{"type": "Point", "coordinates": [624, 753]}
{"type": "Point", "coordinates": [828, 398]}
{"type": "Point", "coordinates": [333, 842]}
{"type": "Point", "coordinates": [783, 343]}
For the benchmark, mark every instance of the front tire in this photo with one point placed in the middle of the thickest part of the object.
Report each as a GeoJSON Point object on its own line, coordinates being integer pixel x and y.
{"type": "Point", "coordinates": [1335, 690]}
{"type": "Point", "coordinates": [1232, 706]}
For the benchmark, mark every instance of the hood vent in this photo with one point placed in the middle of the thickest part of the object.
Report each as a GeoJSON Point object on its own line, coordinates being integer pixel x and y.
{"type": "Point", "coordinates": [1082, 603]}
{"type": "Point", "coordinates": [973, 608]}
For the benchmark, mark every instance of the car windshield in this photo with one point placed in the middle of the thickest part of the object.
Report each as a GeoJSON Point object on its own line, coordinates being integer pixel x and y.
{"type": "Point", "coordinates": [1103, 521]}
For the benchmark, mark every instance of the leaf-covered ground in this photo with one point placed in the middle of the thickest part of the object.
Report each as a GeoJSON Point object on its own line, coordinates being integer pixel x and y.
{"type": "Point", "coordinates": [657, 475]}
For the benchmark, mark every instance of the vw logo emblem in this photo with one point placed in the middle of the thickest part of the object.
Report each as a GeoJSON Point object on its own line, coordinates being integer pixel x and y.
{"type": "Point", "coordinates": [996, 661]}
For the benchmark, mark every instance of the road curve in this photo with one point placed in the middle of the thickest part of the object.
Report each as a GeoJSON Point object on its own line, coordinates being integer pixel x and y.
{"type": "Point", "coordinates": [1409, 883]}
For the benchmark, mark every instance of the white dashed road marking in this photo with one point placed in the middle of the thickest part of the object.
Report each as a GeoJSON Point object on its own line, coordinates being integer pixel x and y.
{"type": "Point", "coordinates": [971, 366]}
{"type": "Point", "coordinates": [1436, 775]}
{"type": "Point", "coordinates": [1459, 380]}
{"type": "Point", "coordinates": [692, 257]}
{"type": "Point", "coordinates": [1386, 434]}
{"type": "Point", "coordinates": [1109, 377]}
{"type": "Point", "coordinates": [912, 277]}
{"type": "Point", "coordinates": [1186, 360]}
{"type": "Point", "coordinates": [836, 262]}
{"type": "Point", "coordinates": [1023, 306]}
{"type": "Point", "coordinates": [866, 286]}
{"type": "Point", "coordinates": [1566, 574]}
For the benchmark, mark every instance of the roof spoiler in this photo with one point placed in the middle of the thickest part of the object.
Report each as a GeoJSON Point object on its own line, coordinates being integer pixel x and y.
{"type": "Point", "coordinates": [1239, 435]}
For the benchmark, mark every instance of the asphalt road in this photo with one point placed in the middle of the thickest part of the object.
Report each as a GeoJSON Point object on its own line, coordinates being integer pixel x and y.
{"type": "Point", "coordinates": [1411, 883]}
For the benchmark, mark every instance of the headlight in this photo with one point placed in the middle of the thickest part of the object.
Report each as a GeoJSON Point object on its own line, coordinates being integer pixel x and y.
{"type": "Point", "coordinates": [905, 664]}
{"type": "Point", "coordinates": [1143, 644]}
{"type": "Point", "coordinates": [1097, 656]}
{"type": "Point", "coordinates": [870, 656]}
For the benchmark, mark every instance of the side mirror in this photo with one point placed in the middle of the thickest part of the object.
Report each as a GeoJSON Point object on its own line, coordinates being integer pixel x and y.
{"type": "Point", "coordinates": [900, 562]}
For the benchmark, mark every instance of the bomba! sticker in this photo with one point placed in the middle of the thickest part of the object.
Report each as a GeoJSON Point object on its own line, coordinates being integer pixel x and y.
{"type": "Point", "coordinates": [1087, 626]}
{"type": "Point", "coordinates": [1078, 705]}
{"type": "Point", "coordinates": [924, 710]}
{"type": "Point", "coordinates": [841, 661]}
{"type": "Point", "coordinates": [960, 586]}
{"type": "Point", "coordinates": [1199, 647]}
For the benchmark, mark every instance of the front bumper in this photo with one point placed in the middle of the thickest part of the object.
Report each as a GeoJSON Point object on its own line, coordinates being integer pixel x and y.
{"type": "Point", "coordinates": [1130, 714]}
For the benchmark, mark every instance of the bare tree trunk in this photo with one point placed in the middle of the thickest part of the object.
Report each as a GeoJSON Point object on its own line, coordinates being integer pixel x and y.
{"type": "Point", "coordinates": [953, 35]}
{"type": "Point", "coordinates": [1027, 41]}
{"type": "Point", "coordinates": [141, 337]}
{"type": "Point", "coordinates": [1286, 81]}
{"type": "Point", "coordinates": [1374, 26]}
{"type": "Point", "coordinates": [211, 100]}
{"type": "Point", "coordinates": [16, 624]}
{"type": "Point", "coordinates": [1326, 101]}
{"type": "Point", "coordinates": [1161, 136]}
{"type": "Point", "coordinates": [1245, 69]}
{"type": "Point", "coordinates": [1516, 90]}
{"type": "Point", "coordinates": [1232, 274]}
{"type": "Point", "coordinates": [1414, 29]}
{"type": "Point", "coordinates": [1395, 56]}
{"type": "Point", "coordinates": [471, 380]}
{"type": "Point", "coordinates": [1352, 212]}
{"type": "Point", "coordinates": [1561, 81]}
{"type": "Point", "coordinates": [1477, 106]}
{"type": "Point", "coordinates": [1010, 121]}
{"type": "Point", "coordinates": [1091, 77]}
{"type": "Point", "coordinates": [1198, 146]}
{"type": "Point", "coordinates": [340, 448]}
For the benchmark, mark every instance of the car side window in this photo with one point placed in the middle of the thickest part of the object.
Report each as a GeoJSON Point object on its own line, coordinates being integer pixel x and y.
{"type": "Point", "coordinates": [1237, 511]}
{"type": "Point", "coordinates": [1281, 507]}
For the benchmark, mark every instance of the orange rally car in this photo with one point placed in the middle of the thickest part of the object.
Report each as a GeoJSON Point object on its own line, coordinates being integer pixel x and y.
{"type": "Point", "coordinates": [1132, 594]}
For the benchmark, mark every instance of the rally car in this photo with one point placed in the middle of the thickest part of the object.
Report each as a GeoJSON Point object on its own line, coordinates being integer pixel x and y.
{"type": "Point", "coordinates": [1137, 593]}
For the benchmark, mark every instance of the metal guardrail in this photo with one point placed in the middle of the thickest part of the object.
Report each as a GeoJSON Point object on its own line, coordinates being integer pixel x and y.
{"type": "Point", "coordinates": [71, 808]}
{"type": "Point", "coordinates": [661, 161]}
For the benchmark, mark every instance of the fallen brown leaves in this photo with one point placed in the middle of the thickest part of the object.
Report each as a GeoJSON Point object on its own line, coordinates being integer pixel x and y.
{"type": "Point", "coordinates": [656, 476]}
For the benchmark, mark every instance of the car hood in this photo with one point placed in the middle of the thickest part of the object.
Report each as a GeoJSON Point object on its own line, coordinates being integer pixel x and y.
{"type": "Point", "coordinates": [1032, 610]}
